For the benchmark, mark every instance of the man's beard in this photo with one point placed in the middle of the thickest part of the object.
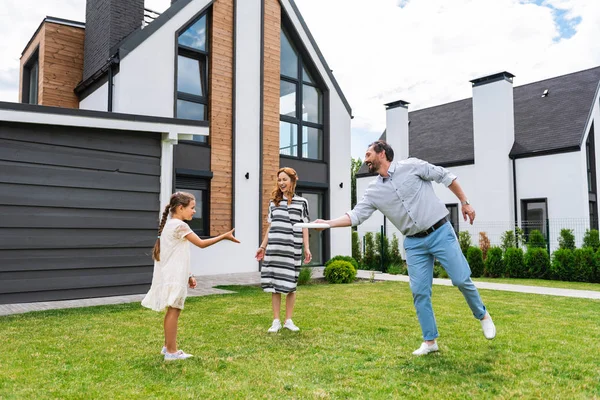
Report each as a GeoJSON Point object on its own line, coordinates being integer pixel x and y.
{"type": "Point", "coordinates": [373, 167]}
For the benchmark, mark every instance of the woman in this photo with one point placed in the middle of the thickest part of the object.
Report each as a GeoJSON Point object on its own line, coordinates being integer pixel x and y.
{"type": "Point", "coordinates": [281, 247]}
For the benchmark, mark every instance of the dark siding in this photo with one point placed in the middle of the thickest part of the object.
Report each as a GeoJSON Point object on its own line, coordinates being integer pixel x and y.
{"type": "Point", "coordinates": [78, 211]}
{"type": "Point", "coordinates": [192, 157]}
{"type": "Point", "coordinates": [309, 171]}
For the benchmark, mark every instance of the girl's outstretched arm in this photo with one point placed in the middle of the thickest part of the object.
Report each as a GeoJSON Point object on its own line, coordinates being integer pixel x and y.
{"type": "Point", "coordinates": [202, 243]}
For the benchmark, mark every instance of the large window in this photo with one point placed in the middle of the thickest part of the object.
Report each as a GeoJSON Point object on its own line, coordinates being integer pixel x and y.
{"type": "Point", "coordinates": [534, 213]}
{"type": "Point", "coordinates": [453, 210]}
{"type": "Point", "coordinates": [199, 188]}
{"type": "Point", "coordinates": [192, 73]}
{"type": "Point", "coordinates": [316, 239]}
{"type": "Point", "coordinates": [590, 155]}
{"type": "Point", "coordinates": [300, 106]}
{"type": "Point", "coordinates": [31, 79]}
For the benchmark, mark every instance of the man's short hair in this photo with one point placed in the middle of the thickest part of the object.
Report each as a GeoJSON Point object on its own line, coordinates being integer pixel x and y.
{"type": "Point", "coordinates": [381, 145]}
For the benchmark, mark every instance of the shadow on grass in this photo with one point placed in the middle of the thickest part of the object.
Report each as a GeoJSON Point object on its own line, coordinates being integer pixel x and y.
{"type": "Point", "coordinates": [241, 289]}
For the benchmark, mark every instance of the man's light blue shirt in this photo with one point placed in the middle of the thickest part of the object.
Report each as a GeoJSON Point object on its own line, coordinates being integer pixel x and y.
{"type": "Point", "coordinates": [406, 197]}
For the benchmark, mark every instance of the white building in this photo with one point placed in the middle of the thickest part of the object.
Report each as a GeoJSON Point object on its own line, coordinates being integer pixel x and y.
{"type": "Point", "coordinates": [525, 156]}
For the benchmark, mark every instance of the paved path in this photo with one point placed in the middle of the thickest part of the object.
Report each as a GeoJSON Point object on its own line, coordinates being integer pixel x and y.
{"type": "Point", "coordinates": [206, 287]}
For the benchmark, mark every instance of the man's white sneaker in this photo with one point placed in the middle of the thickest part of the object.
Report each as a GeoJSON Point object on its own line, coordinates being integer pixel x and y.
{"type": "Point", "coordinates": [289, 324]}
{"type": "Point", "coordinates": [178, 355]}
{"type": "Point", "coordinates": [426, 349]}
{"type": "Point", "coordinates": [488, 327]}
{"type": "Point", "coordinates": [275, 327]}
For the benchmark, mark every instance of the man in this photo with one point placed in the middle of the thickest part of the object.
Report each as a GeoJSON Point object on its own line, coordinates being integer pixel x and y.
{"type": "Point", "coordinates": [403, 192]}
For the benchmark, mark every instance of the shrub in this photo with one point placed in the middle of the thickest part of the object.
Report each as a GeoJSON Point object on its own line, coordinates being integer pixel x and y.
{"type": "Point", "coordinates": [591, 239]}
{"type": "Point", "coordinates": [566, 239]}
{"type": "Point", "coordinates": [369, 256]}
{"type": "Point", "coordinates": [514, 266]}
{"type": "Point", "coordinates": [475, 260]}
{"type": "Point", "coordinates": [537, 262]}
{"type": "Point", "coordinates": [396, 258]}
{"type": "Point", "coordinates": [383, 254]}
{"type": "Point", "coordinates": [584, 265]}
{"type": "Point", "coordinates": [339, 271]}
{"type": "Point", "coordinates": [397, 269]}
{"type": "Point", "coordinates": [305, 275]}
{"type": "Point", "coordinates": [494, 265]}
{"type": "Point", "coordinates": [536, 240]}
{"type": "Point", "coordinates": [507, 241]}
{"type": "Point", "coordinates": [351, 260]}
{"type": "Point", "coordinates": [439, 271]}
{"type": "Point", "coordinates": [563, 264]}
{"type": "Point", "coordinates": [464, 240]}
{"type": "Point", "coordinates": [596, 272]}
{"type": "Point", "coordinates": [356, 253]}
{"type": "Point", "coordinates": [484, 244]}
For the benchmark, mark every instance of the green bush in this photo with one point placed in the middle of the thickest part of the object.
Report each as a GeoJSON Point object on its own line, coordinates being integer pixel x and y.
{"type": "Point", "coordinates": [439, 271]}
{"type": "Point", "coordinates": [475, 260]}
{"type": "Point", "coordinates": [356, 253]}
{"type": "Point", "coordinates": [536, 240]}
{"type": "Point", "coordinates": [507, 241]}
{"type": "Point", "coordinates": [351, 260]}
{"type": "Point", "coordinates": [566, 239]}
{"type": "Point", "coordinates": [563, 264]}
{"type": "Point", "coordinates": [383, 253]}
{"type": "Point", "coordinates": [396, 258]}
{"type": "Point", "coordinates": [494, 265]}
{"type": "Point", "coordinates": [537, 262]}
{"type": "Point", "coordinates": [305, 275]}
{"type": "Point", "coordinates": [514, 266]}
{"type": "Point", "coordinates": [596, 272]}
{"type": "Point", "coordinates": [339, 271]}
{"type": "Point", "coordinates": [584, 265]}
{"type": "Point", "coordinates": [591, 239]}
{"type": "Point", "coordinates": [464, 240]}
{"type": "Point", "coordinates": [397, 269]}
{"type": "Point", "coordinates": [369, 256]}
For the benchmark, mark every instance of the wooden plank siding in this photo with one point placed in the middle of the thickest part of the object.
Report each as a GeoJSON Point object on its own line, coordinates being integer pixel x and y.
{"type": "Point", "coordinates": [220, 115]}
{"type": "Point", "coordinates": [270, 143]}
{"type": "Point", "coordinates": [78, 211]}
{"type": "Point", "coordinates": [60, 61]}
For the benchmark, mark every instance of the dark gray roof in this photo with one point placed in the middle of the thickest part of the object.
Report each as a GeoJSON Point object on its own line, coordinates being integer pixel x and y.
{"type": "Point", "coordinates": [443, 135]}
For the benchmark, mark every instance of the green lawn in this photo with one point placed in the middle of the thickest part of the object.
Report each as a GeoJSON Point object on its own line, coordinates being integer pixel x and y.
{"type": "Point", "coordinates": [545, 283]}
{"type": "Point", "coordinates": [356, 342]}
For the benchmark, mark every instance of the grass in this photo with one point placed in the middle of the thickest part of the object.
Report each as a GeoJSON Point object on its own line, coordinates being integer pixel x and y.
{"type": "Point", "coordinates": [356, 342]}
{"type": "Point", "coordinates": [544, 283]}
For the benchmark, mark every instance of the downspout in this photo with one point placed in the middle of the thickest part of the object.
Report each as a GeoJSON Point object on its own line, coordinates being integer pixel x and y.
{"type": "Point", "coordinates": [515, 196]}
{"type": "Point", "coordinates": [114, 60]}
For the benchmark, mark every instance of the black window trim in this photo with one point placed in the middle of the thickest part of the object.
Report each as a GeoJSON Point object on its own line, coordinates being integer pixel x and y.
{"type": "Point", "coordinates": [299, 82]}
{"type": "Point", "coordinates": [454, 205]}
{"type": "Point", "coordinates": [205, 177]}
{"type": "Point", "coordinates": [34, 59]}
{"type": "Point", "coordinates": [524, 203]}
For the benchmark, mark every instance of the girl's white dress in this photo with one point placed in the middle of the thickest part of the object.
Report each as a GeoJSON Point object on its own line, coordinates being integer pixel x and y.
{"type": "Point", "coordinates": [171, 273]}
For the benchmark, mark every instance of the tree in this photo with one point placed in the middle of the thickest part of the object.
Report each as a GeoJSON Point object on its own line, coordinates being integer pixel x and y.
{"type": "Point", "coordinates": [354, 167]}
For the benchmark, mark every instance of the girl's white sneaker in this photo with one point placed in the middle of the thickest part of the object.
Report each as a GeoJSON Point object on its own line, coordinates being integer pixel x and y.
{"type": "Point", "coordinates": [289, 324]}
{"type": "Point", "coordinates": [275, 327]}
{"type": "Point", "coordinates": [178, 355]}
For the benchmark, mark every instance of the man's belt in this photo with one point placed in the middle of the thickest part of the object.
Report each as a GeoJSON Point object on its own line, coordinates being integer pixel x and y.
{"type": "Point", "coordinates": [431, 229]}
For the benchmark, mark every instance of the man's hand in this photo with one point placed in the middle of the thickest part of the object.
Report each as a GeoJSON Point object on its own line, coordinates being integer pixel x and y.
{"type": "Point", "coordinates": [468, 211]}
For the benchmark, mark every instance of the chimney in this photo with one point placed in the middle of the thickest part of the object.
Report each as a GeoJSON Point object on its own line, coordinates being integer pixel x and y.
{"type": "Point", "coordinates": [107, 23]}
{"type": "Point", "coordinates": [396, 123]}
{"type": "Point", "coordinates": [493, 138]}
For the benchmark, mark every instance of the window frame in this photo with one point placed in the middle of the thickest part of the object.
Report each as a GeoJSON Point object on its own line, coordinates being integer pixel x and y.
{"type": "Point", "coordinates": [301, 191]}
{"type": "Point", "coordinates": [189, 182]}
{"type": "Point", "coordinates": [32, 62]}
{"type": "Point", "coordinates": [527, 227]}
{"type": "Point", "coordinates": [203, 57]}
{"type": "Point", "coordinates": [450, 207]}
{"type": "Point", "coordinates": [297, 120]}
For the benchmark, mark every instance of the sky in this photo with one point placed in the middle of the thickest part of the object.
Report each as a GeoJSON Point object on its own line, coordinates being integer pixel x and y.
{"type": "Point", "coordinates": [421, 51]}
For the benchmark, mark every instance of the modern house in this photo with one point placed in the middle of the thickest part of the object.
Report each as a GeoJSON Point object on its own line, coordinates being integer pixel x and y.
{"type": "Point", "coordinates": [210, 97]}
{"type": "Point", "coordinates": [526, 156]}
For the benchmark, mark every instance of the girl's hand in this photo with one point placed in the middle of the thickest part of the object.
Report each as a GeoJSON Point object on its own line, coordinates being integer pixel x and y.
{"type": "Point", "coordinates": [192, 282]}
{"type": "Point", "coordinates": [229, 236]}
{"type": "Point", "coordinates": [260, 254]}
{"type": "Point", "coordinates": [307, 256]}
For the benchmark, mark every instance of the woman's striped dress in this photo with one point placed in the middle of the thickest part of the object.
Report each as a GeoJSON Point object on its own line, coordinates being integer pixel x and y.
{"type": "Point", "coordinates": [283, 257]}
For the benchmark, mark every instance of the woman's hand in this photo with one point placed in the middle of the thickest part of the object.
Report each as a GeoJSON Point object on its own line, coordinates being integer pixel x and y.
{"type": "Point", "coordinates": [192, 282]}
{"type": "Point", "coordinates": [307, 256]}
{"type": "Point", "coordinates": [229, 236]}
{"type": "Point", "coordinates": [260, 253]}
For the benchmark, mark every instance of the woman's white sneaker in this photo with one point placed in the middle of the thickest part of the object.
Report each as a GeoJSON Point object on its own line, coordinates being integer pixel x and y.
{"type": "Point", "coordinates": [178, 355]}
{"type": "Point", "coordinates": [289, 324]}
{"type": "Point", "coordinates": [426, 349]}
{"type": "Point", "coordinates": [275, 327]}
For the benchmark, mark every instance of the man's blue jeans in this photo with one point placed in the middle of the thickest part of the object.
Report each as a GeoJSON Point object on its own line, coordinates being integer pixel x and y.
{"type": "Point", "coordinates": [442, 245]}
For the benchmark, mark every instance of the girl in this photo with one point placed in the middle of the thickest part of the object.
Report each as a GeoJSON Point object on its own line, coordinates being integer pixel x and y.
{"type": "Point", "coordinates": [172, 275]}
{"type": "Point", "coordinates": [281, 247]}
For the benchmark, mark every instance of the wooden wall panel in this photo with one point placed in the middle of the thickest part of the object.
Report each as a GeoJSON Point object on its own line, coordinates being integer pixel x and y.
{"type": "Point", "coordinates": [221, 114]}
{"type": "Point", "coordinates": [270, 165]}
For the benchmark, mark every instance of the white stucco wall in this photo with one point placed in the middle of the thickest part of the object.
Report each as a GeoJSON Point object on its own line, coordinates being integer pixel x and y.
{"type": "Point", "coordinates": [97, 101]}
{"type": "Point", "coordinates": [227, 257]}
